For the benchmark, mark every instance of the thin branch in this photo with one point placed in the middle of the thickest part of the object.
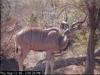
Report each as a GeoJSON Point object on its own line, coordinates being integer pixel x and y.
{"type": "Point", "coordinates": [79, 22]}
{"type": "Point", "coordinates": [98, 17]}
{"type": "Point", "coordinates": [61, 12]}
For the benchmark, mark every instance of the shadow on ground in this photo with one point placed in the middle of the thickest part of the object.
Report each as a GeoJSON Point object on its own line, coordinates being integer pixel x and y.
{"type": "Point", "coordinates": [12, 65]}
{"type": "Point", "coordinates": [63, 63]}
{"type": "Point", "coordinates": [8, 65]}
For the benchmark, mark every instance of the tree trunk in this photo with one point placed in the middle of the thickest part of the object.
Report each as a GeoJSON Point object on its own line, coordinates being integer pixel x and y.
{"type": "Point", "coordinates": [90, 60]}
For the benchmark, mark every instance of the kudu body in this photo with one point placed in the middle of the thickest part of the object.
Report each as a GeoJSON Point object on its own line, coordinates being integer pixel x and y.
{"type": "Point", "coordinates": [48, 40]}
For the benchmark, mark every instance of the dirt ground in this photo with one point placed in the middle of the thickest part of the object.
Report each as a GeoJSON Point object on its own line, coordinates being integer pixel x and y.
{"type": "Point", "coordinates": [62, 66]}
{"type": "Point", "coordinates": [75, 69]}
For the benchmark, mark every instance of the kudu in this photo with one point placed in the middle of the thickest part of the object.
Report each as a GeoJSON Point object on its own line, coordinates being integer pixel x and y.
{"type": "Point", "coordinates": [48, 40]}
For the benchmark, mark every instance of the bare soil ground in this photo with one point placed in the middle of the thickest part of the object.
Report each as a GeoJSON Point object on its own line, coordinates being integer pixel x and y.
{"type": "Point", "coordinates": [71, 65]}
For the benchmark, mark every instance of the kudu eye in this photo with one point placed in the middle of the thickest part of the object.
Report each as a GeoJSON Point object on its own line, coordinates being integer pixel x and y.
{"type": "Point", "coordinates": [67, 31]}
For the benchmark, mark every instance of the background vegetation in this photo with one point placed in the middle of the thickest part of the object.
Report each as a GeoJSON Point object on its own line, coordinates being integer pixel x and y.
{"type": "Point", "coordinates": [18, 14]}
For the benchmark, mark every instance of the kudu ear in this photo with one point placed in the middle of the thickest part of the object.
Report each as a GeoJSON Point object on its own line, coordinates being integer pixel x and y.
{"type": "Point", "coordinates": [64, 25]}
{"type": "Point", "coordinates": [77, 25]}
{"type": "Point", "coordinates": [74, 27]}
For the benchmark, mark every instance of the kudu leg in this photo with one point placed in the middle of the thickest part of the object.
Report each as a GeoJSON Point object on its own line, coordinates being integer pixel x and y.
{"type": "Point", "coordinates": [20, 63]}
{"type": "Point", "coordinates": [47, 67]}
{"type": "Point", "coordinates": [21, 58]}
{"type": "Point", "coordinates": [17, 57]}
{"type": "Point", "coordinates": [52, 63]}
{"type": "Point", "coordinates": [49, 63]}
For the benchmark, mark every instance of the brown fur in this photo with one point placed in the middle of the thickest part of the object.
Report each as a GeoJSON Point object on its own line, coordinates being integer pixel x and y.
{"type": "Point", "coordinates": [48, 40]}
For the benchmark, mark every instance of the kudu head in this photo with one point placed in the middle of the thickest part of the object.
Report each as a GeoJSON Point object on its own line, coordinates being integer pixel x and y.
{"type": "Point", "coordinates": [69, 32]}
{"type": "Point", "coordinates": [68, 29]}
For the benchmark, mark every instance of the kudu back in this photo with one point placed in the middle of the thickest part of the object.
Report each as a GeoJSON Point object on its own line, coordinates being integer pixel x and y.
{"type": "Point", "coordinates": [38, 39]}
